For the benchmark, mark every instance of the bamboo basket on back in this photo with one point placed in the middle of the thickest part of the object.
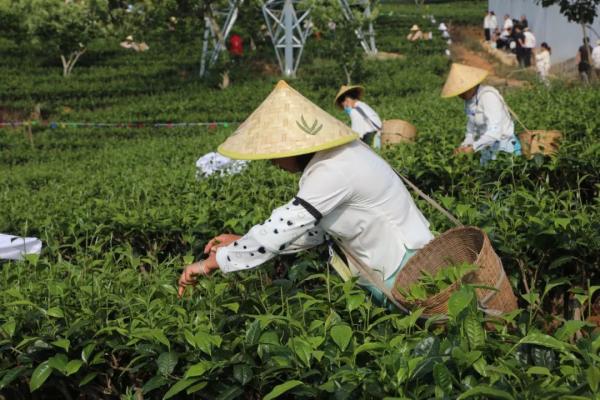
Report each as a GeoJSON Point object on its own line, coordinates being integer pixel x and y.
{"type": "Point", "coordinates": [463, 244]}
{"type": "Point", "coordinates": [397, 131]}
{"type": "Point", "coordinates": [540, 142]}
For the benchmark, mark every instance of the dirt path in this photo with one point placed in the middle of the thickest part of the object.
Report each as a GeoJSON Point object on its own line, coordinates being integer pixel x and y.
{"type": "Point", "coordinates": [464, 39]}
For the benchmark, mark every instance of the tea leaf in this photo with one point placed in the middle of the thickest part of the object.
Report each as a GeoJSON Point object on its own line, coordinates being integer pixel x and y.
{"type": "Point", "coordinates": [166, 363]}
{"type": "Point", "coordinates": [39, 375]}
{"type": "Point", "coordinates": [281, 389]}
{"type": "Point", "coordinates": [178, 387]}
{"type": "Point", "coordinates": [341, 335]}
{"type": "Point", "coordinates": [486, 392]}
{"type": "Point", "coordinates": [459, 301]}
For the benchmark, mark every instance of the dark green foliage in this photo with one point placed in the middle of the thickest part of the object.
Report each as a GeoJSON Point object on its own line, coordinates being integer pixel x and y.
{"type": "Point", "coordinates": [120, 213]}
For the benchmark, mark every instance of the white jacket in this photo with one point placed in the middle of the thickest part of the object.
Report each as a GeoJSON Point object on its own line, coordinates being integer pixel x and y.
{"type": "Point", "coordinates": [542, 62]}
{"type": "Point", "coordinates": [488, 119]}
{"type": "Point", "coordinates": [363, 124]}
{"type": "Point", "coordinates": [596, 57]}
{"type": "Point", "coordinates": [351, 194]}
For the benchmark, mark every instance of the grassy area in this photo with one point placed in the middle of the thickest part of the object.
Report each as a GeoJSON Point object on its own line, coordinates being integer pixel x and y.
{"type": "Point", "coordinates": [120, 212]}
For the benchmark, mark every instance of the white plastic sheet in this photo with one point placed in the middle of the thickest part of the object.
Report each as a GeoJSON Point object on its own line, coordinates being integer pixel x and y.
{"type": "Point", "coordinates": [213, 162]}
{"type": "Point", "coordinates": [15, 247]}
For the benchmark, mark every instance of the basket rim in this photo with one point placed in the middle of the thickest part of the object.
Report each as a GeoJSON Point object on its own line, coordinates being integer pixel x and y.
{"type": "Point", "coordinates": [455, 285]}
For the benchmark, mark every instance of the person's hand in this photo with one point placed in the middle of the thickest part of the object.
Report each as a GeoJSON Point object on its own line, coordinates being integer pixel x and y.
{"type": "Point", "coordinates": [463, 150]}
{"type": "Point", "coordinates": [191, 272]}
{"type": "Point", "coordinates": [220, 241]}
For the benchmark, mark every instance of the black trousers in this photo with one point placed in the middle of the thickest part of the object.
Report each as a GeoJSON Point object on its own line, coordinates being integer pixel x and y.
{"type": "Point", "coordinates": [369, 138]}
{"type": "Point", "coordinates": [488, 34]}
{"type": "Point", "coordinates": [527, 56]}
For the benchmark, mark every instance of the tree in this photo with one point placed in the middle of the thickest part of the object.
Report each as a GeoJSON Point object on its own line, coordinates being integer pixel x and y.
{"type": "Point", "coordinates": [11, 20]}
{"type": "Point", "coordinates": [65, 27]}
{"type": "Point", "coordinates": [581, 11]}
{"type": "Point", "coordinates": [343, 44]}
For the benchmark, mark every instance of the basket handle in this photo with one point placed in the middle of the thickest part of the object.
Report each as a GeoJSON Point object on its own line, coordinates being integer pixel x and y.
{"type": "Point", "coordinates": [429, 200]}
{"type": "Point", "coordinates": [510, 110]}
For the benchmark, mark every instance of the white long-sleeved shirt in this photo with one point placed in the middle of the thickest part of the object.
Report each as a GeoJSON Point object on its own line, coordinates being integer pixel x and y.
{"type": "Point", "coordinates": [493, 22]}
{"type": "Point", "coordinates": [487, 22]}
{"type": "Point", "coordinates": [508, 24]}
{"type": "Point", "coordinates": [542, 62]}
{"type": "Point", "coordinates": [596, 57]}
{"type": "Point", "coordinates": [362, 125]}
{"type": "Point", "coordinates": [353, 195]}
{"type": "Point", "coordinates": [488, 119]}
{"type": "Point", "coordinates": [530, 41]}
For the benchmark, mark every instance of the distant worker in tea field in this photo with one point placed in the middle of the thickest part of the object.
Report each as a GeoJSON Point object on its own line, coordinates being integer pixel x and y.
{"type": "Point", "coordinates": [365, 121]}
{"type": "Point", "coordinates": [347, 193]}
{"type": "Point", "coordinates": [490, 128]}
{"type": "Point", "coordinates": [415, 34]}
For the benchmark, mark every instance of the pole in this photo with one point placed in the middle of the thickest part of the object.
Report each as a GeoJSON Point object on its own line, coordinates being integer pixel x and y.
{"type": "Point", "coordinates": [288, 25]}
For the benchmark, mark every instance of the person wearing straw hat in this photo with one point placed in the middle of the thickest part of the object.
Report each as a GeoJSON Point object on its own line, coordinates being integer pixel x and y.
{"type": "Point", "coordinates": [490, 128]}
{"type": "Point", "coordinates": [346, 192]}
{"type": "Point", "coordinates": [365, 121]}
{"type": "Point", "coordinates": [415, 34]}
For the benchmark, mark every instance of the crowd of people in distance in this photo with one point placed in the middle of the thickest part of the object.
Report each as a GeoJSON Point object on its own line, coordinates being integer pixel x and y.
{"type": "Point", "coordinates": [516, 36]}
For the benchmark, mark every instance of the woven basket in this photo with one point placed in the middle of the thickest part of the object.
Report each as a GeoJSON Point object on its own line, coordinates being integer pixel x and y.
{"type": "Point", "coordinates": [540, 142]}
{"type": "Point", "coordinates": [465, 244]}
{"type": "Point", "coordinates": [397, 131]}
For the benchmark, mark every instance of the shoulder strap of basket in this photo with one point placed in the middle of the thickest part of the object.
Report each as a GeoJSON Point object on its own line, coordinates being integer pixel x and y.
{"type": "Point", "coordinates": [370, 275]}
{"type": "Point", "coordinates": [429, 200]}
{"type": "Point", "coordinates": [421, 194]}
{"type": "Point", "coordinates": [510, 110]}
{"type": "Point", "coordinates": [366, 117]}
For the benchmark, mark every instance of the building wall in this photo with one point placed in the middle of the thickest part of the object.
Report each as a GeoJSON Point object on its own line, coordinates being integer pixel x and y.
{"type": "Point", "coordinates": [548, 25]}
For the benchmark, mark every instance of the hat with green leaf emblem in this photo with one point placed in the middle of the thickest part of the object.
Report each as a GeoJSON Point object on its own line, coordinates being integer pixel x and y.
{"type": "Point", "coordinates": [285, 124]}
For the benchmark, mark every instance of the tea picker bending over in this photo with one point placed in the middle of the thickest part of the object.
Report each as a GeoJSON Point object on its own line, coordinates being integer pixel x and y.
{"type": "Point", "coordinates": [347, 192]}
{"type": "Point", "coordinates": [490, 129]}
{"type": "Point", "coordinates": [365, 121]}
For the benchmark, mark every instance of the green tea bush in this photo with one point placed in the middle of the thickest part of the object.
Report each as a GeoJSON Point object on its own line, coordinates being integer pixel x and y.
{"type": "Point", "coordinates": [119, 210]}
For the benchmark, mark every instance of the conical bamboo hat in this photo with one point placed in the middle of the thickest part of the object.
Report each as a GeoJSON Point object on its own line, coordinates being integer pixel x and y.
{"type": "Point", "coordinates": [462, 78]}
{"type": "Point", "coordinates": [415, 28]}
{"type": "Point", "coordinates": [345, 89]}
{"type": "Point", "coordinates": [285, 124]}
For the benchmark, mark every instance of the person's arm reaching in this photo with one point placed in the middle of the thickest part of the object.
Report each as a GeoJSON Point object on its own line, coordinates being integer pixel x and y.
{"type": "Point", "coordinates": [289, 229]}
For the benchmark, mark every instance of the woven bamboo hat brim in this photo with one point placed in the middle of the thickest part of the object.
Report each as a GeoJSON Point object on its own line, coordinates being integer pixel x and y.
{"type": "Point", "coordinates": [285, 124]}
{"type": "Point", "coordinates": [462, 78]}
{"type": "Point", "coordinates": [345, 89]}
{"type": "Point", "coordinates": [414, 28]}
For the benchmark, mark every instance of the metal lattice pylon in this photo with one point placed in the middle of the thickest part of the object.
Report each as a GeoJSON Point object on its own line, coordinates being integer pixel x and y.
{"type": "Point", "coordinates": [289, 30]}
{"type": "Point", "coordinates": [367, 40]}
{"type": "Point", "coordinates": [215, 36]}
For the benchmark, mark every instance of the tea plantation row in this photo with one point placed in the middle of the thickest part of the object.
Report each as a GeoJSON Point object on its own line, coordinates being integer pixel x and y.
{"type": "Point", "coordinates": [120, 212]}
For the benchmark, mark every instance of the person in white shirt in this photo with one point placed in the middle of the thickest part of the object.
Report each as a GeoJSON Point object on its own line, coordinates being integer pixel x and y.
{"type": "Point", "coordinates": [508, 22]}
{"type": "Point", "coordinates": [346, 193]}
{"type": "Point", "coordinates": [490, 129]}
{"type": "Point", "coordinates": [528, 46]}
{"type": "Point", "coordinates": [596, 59]}
{"type": "Point", "coordinates": [542, 62]}
{"type": "Point", "coordinates": [487, 26]}
{"type": "Point", "coordinates": [493, 22]}
{"type": "Point", "coordinates": [444, 30]}
{"type": "Point", "coordinates": [365, 121]}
